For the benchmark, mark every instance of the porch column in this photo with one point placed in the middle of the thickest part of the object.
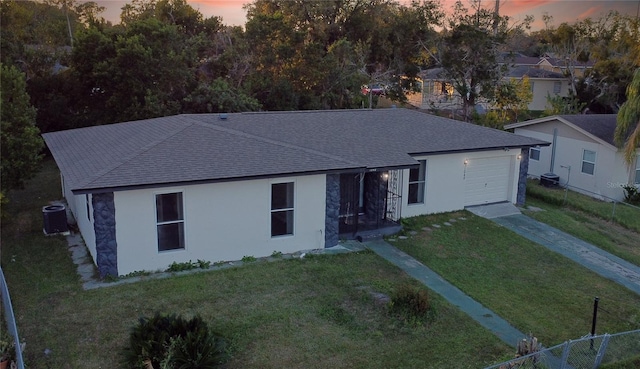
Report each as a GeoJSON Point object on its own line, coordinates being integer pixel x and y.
{"type": "Point", "coordinates": [522, 178]}
{"type": "Point", "coordinates": [104, 225]}
{"type": "Point", "coordinates": [332, 211]}
{"type": "Point", "coordinates": [375, 195]}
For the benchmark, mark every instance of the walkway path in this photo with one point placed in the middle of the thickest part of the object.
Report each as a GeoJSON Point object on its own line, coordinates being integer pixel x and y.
{"type": "Point", "coordinates": [417, 270]}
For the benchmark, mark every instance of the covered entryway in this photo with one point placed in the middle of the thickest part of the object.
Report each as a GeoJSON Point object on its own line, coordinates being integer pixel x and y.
{"type": "Point", "coordinates": [368, 202]}
{"type": "Point", "coordinates": [487, 180]}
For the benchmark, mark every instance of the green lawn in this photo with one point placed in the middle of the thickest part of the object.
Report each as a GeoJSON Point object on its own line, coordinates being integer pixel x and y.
{"type": "Point", "coordinates": [535, 289]}
{"type": "Point", "coordinates": [623, 214]}
{"type": "Point", "coordinates": [317, 312]}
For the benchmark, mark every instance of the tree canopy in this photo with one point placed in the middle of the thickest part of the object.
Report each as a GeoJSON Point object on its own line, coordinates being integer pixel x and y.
{"type": "Point", "coordinates": [20, 140]}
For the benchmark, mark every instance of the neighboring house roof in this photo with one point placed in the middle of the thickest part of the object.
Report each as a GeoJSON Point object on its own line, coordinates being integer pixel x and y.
{"type": "Point", "coordinates": [525, 71]}
{"type": "Point", "coordinates": [562, 63]}
{"type": "Point", "coordinates": [433, 74]}
{"type": "Point", "coordinates": [600, 127]}
{"type": "Point", "coordinates": [205, 148]}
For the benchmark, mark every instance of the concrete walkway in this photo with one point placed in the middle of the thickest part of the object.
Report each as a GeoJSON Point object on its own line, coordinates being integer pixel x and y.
{"type": "Point", "coordinates": [417, 270]}
{"type": "Point", "coordinates": [607, 265]}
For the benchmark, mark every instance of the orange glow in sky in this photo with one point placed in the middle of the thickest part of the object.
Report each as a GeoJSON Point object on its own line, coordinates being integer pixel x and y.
{"type": "Point", "coordinates": [232, 11]}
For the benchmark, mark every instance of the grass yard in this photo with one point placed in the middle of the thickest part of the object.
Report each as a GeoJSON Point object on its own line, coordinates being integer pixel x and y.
{"type": "Point", "coordinates": [535, 289]}
{"type": "Point", "coordinates": [317, 312]}
{"type": "Point", "coordinates": [626, 216]}
{"type": "Point", "coordinates": [604, 234]}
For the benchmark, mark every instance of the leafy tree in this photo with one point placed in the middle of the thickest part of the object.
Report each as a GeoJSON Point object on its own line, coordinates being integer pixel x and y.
{"type": "Point", "coordinates": [627, 132]}
{"type": "Point", "coordinates": [219, 97]}
{"type": "Point", "coordinates": [20, 138]}
{"type": "Point", "coordinates": [512, 98]}
{"type": "Point", "coordinates": [467, 50]}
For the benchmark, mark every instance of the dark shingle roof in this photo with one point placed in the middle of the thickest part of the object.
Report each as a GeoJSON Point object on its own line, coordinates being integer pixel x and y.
{"type": "Point", "coordinates": [523, 70]}
{"type": "Point", "coordinates": [201, 148]}
{"type": "Point", "coordinates": [602, 126]}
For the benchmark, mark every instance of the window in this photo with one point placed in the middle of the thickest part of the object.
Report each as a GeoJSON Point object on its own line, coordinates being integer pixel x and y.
{"type": "Point", "coordinates": [534, 153]}
{"type": "Point", "coordinates": [588, 161]}
{"type": "Point", "coordinates": [637, 181]}
{"type": "Point", "coordinates": [557, 87]}
{"type": "Point", "coordinates": [281, 209]}
{"type": "Point", "coordinates": [416, 183]}
{"type": "Point", "coordinates": [170, 221]}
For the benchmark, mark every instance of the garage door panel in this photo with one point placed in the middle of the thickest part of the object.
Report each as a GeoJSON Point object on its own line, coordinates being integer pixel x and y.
{"type": "Point", "coordinates": [487, 180]}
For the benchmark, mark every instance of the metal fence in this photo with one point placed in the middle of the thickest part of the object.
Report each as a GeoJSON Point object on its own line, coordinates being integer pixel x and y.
{"type": "Point", "coordinates": [589, 352]}
{"type": "Point", "coordinates": [10, 320]}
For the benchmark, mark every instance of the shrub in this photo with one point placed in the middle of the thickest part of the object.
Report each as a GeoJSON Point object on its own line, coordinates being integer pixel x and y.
{"type": "Point", "coordinates": [631, 194]}
{"type": "Point", "coordinates": [410, 303]}
{"type": "Point", "coordinates": [170, 341]}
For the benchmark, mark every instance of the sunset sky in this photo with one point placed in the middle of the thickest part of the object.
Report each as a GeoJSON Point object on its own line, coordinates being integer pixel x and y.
{"type": "Point", "coordinates": [569, 11]}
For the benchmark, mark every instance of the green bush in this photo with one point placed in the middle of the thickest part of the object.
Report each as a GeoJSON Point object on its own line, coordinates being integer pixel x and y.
{"type": "Point", "coordinates": [172, 342]}
{"type": "Point", "coordinates": [631, 194]}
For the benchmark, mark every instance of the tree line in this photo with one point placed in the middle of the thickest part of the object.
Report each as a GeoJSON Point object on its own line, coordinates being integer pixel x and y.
{"type": "Point", "coordinates": [165, 57]}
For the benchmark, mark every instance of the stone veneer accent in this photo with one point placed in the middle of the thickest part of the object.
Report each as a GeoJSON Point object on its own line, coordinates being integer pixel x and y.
{"type": "Point", "coordinates": [332, 211]}
{"type": "Point", "coordinates": [375, 190]}
{"type": "Point", "coordinates": [104, 224]}
{"type": "Point", "coordinates": [522, 179]}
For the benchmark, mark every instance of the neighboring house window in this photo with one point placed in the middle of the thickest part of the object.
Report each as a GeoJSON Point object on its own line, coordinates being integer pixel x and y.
{"type": "Point", "coordinates": [416, 183]}
{"type": "Point", "coordinates": [170, 221]}
{"type": "Point", "coordinates": [557, 87]}
{"type": "Point", "coordinates": [532, 83]}
{"type": "Point", "coordinates": [281, 209]}
{"type": "Point", "coordinates": [588, 161]}
{"type": "Point", "coordinates": [638, 170]}
{"type": "Point", "coordinates": [534, 153]}
{"type": "Point", "coordinates": [87, 199]}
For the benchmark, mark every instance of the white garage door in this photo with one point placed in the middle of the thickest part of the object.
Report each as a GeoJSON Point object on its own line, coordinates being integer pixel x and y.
{"type": "Point", "coordinates": [487, 180]}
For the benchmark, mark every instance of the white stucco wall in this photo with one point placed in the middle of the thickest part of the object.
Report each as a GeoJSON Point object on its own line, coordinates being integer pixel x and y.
{"type": "Point", "coordinates": [445, 181]}
{"type": "Point", "coordinates": [78, 207]}
{"type": "Point", "coordinates": [223, 222]}
{"type": "Point", "coordinates": [610, 171]}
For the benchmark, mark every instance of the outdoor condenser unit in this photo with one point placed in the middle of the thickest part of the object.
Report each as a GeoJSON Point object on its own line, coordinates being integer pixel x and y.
{"type": "Point", "coordinates": [55, 219]}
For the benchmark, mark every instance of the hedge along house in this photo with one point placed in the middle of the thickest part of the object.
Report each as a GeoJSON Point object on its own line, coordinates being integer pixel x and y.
{"type": "Point", "coordinates": [220, 187]}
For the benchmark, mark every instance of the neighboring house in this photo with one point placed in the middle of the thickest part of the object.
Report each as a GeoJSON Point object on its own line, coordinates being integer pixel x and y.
{"type": "Point", "coordinates": [220, 187]}
{"type": "Point", "coordinates": [436, 91]}
{"type": "Point", "coordinates": [565, 66]}
{"type": "Point", "coordinates": [543, 84]}
{"type": "Point", "coordinates": [583, 153]}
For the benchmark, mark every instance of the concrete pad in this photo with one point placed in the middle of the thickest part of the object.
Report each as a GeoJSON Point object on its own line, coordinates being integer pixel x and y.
{"type": "Point", "coordinates": [492, 211]}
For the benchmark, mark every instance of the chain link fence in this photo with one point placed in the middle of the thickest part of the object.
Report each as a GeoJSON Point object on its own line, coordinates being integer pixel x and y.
{"type": "Point", "coordinates": [10, 321]}
{"type": "Point", "coordinates": [588, 352]}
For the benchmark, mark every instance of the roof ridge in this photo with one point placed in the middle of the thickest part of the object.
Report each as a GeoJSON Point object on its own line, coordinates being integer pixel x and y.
{"type": "Point", "coordinates": [143, 149]}
{"type": "Point", "coordinates": [274, 142]}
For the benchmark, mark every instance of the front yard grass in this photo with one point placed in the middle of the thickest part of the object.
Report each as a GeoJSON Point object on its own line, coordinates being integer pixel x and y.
{"type": "Point", "coordinates": [535, 289]}
{"type": "Point", "coordinates": [316, 312]}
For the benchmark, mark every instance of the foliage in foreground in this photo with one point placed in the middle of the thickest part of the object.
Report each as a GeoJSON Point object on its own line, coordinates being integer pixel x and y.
{"type": "Point", "coordinates": [170, 341]}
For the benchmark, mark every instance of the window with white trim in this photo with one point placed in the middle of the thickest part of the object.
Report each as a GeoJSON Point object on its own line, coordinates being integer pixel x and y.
{"type": "Point", "coordinates": [588, 162]}
{"type": "Point", "coordinates": [417, 183]}
{"type": "Point", "coordinates": [281, 209]}
{"type": "Point", "coordinates": [170, 221]}
{"type": "Point", "coordinates": [534, 153]}
{"type": "Point", "coordinates": [557, 87]}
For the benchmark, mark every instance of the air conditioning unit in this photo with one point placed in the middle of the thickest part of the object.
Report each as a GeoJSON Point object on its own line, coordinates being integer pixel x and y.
{"type": "Point", "coordinates": [55, 219]}
{"type": "Point", "coordinates": [549, 180]}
